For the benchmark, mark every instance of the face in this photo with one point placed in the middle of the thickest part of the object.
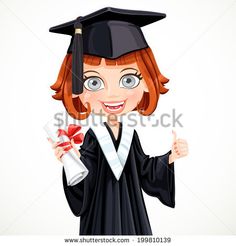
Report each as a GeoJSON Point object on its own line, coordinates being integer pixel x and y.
{"type": "Point", "coordinates": [112, 89]}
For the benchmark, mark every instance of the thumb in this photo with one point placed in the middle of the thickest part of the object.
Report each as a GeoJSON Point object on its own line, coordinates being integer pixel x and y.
{"type": "Point", "coordinates": [174, 135]}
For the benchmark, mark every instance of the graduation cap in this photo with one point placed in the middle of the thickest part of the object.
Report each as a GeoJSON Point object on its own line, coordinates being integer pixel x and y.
{"type": "Point", "coordinates": [108, 33]}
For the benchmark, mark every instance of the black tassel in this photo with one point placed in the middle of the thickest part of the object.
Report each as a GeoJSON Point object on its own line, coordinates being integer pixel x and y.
{"type": "Point", "coordinates": [77, 59]}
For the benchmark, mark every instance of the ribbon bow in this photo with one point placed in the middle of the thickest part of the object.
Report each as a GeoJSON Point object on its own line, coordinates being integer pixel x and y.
{"type": "Point", "coordinates": [71, 133]}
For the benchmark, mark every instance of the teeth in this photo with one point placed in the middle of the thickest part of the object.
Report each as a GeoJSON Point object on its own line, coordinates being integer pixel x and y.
{"type": "Point", "coordinates": [114, 104]}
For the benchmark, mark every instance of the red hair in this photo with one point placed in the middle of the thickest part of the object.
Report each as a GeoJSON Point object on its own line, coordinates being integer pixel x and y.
{"type": "Point", "coordinates": [147, 65]}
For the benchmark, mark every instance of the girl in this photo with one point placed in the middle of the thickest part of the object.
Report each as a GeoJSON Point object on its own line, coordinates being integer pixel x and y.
{"type": "Point", "coordinates": [116, 80]}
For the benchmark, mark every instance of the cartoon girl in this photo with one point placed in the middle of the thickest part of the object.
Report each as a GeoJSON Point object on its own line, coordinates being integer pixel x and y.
{"type": "Point", "coordinates": [110, 68]}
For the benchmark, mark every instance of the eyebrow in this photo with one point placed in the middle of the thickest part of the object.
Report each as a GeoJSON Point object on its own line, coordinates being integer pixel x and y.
{"type": "Point", "coordinates": [91, 71]}
{"type": "Point", "coordinates": [128, 69]}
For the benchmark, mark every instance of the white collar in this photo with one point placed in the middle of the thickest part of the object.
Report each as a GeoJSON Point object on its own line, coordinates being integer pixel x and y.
{"type": "Point", "coordinates": [116, 160]}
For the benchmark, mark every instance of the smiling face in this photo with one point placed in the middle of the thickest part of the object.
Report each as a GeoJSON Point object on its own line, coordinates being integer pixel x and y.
{"type": "Point", "coordinates": [112, 89]}
{"type": "Point", "coordinates": [112, 86]}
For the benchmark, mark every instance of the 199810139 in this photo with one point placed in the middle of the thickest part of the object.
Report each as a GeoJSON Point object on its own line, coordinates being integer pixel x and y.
{"type": "Point", "coordinates": [153, 240]}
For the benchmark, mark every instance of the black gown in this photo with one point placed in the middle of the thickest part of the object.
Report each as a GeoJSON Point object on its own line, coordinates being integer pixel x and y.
{"type": "Point", "coordinates": [110, 207]}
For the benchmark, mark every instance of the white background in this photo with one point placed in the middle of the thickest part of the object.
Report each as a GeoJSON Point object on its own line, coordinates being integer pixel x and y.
{"type": "Point", "coordinates": [194, 47]}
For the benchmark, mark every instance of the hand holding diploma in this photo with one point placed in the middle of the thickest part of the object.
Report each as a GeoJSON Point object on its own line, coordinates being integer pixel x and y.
{"type": "Point", "coordinates": [60, 151]}
{"type": "Point", "coordinates": [67, 152]}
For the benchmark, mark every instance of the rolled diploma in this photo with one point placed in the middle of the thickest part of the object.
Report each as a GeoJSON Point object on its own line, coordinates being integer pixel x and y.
{"type": "Point", "coordinates": [74, 168]}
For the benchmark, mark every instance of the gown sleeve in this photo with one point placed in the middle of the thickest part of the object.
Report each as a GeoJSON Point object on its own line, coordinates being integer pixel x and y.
{"type": "Point", "coordinates": [156, 174]}
{"type": "Point", "coordinates": [79, 196]}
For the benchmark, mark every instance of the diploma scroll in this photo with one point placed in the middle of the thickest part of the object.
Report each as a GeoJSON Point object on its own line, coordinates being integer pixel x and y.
{"type": "Point", "coordinates": [75, 170]}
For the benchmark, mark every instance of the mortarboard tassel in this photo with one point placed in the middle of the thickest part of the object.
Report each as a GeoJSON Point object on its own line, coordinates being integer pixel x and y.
{"type": "Point", "coordinates": [77, 59]}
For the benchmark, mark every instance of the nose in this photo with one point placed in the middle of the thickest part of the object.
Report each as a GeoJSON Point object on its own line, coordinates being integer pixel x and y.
{"type": "Point", "coordinates": [113, 91]}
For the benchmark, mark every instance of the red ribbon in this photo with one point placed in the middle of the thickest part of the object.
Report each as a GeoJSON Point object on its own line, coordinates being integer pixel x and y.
{"type": "Point", "coordinates": [71, 133]}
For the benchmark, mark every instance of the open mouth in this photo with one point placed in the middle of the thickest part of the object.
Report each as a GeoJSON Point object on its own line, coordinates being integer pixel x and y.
{"type": "Point", "coordinates": [113, 107]}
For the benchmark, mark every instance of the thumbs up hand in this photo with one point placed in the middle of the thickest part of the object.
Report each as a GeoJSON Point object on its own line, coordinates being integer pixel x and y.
{"type": "Point", "coordinates": [179, 148]}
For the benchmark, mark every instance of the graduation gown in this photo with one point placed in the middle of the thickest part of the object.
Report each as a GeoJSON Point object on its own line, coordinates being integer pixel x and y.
{"type": "Point", "coordinates": [108, 206]}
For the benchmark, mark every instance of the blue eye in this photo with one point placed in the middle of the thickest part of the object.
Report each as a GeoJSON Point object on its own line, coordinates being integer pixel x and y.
{"type": "Point", "coordinates": [93, 84]}
{"type": "Point", "coordinates": [129, 81]}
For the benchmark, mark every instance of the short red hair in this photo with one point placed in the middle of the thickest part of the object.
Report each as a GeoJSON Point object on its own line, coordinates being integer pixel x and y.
{"type": "Point", "coordinates": [146, 64]}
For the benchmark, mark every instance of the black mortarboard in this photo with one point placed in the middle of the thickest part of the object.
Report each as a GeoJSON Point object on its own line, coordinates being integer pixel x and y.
{"type": "Point", "coordinates": [108, 33]}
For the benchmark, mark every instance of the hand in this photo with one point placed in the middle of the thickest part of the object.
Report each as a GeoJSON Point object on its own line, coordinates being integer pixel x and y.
{"type": "Point", "coordinates": [179, 148]}
{"type": "Point", "coordinates": [60, 151]}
